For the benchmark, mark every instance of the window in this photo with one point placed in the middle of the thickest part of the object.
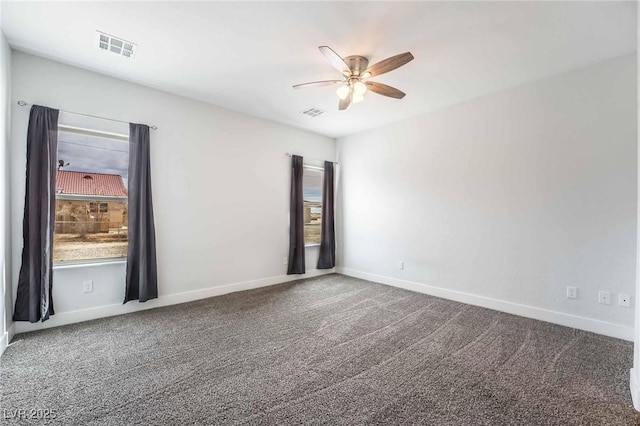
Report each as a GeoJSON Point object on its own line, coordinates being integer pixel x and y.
{"type": "Point", "coordinates": [99, 207]}
{"type": "Point", "coordinates": [312, 196]}
{"type": "Point", "coordinates": [91, 189]}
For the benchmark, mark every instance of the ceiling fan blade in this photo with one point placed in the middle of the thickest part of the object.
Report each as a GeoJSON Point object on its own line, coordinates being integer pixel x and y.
{"type": "Point", "coordinates": [384, 90]}
{"type": "Point", "coordinates": [335, 59]}
{"type": "Point", "coordinates": [318, 83]}
{"type": "Point", "coordinates": [344, 103]}
{"type": "Point", "coordinates": [389, 64]}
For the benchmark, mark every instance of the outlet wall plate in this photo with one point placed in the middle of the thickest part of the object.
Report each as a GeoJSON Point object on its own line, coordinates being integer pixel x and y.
{"type": "Point", "coordinates": [572, 292]}
{"type": "Point", "coordinates": [87, 286]}
{"type": "Point", "coordinates": [604, 297]}
{"type": "Point", "coordinates": [624, 300]}
{"type": "Point", "coordinates": [401, 264]}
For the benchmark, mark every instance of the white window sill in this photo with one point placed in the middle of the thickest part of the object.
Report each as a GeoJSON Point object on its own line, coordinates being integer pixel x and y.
{"type": "Point", "coordinates": [312, 245]}
{"type": "Point", "coordinates": [88, 263]}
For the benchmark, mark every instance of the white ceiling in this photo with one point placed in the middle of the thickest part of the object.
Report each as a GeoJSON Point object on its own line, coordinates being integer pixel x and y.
{"type": "Point", "coordinates": [246, 56]}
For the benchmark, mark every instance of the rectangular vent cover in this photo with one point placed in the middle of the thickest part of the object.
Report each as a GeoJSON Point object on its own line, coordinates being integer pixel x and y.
{"type": "Point", "coordinates": [313, 112]}
{"type": "Point", "coordinates": [116, 45]}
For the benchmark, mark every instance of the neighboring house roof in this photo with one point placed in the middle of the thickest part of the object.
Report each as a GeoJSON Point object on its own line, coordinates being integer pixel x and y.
{"type": "Point", "coordinates": [84, 183]}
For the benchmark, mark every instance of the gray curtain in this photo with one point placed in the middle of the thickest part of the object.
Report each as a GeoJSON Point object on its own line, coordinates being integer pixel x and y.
{"type": "Point", "coordinates": [296, 221]}
{"type": "Point", "coordinates": [142, 281]}
{"type": "Point", "coordinates": [34, 300]}
{"type": "Point", "coordinates": [327, 259]}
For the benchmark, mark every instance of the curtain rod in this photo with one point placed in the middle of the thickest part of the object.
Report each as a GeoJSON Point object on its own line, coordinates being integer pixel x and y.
{"type": "Point", "coordinates": [310, 158]}
{"type": "Point", "coordinates": [23, 103]}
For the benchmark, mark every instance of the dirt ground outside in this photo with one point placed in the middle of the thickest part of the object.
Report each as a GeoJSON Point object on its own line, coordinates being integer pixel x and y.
{"type": "Point", "coordinates": [90, 246]}
{"type": "Point", "coordinates": [312, 233]}
{"type": "Point", "coordinates": [69, 247]}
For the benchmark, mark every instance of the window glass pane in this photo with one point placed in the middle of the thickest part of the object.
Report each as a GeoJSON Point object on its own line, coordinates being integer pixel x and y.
{"type": "Point", "coordinates": [91, 194]}
{"type": "Point", "coordinates": [312, 195]}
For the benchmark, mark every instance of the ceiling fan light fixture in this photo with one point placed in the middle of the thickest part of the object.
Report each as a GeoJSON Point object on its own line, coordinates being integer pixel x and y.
{"type": "Point", "coordinates": [356, 71]}
{"type": "Point", "coordinates": [359, 88]}
{"type": "Point", "coordinates": [343, 92]}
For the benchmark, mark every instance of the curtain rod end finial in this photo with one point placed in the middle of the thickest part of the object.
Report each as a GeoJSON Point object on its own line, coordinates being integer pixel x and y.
{"type": "Point", "coordinates": [22, 103]}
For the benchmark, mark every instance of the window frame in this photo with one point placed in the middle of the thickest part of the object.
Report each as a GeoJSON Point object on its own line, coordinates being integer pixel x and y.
{"type": "Point", "coordinates": [98, 199]}
{"type": "Point", "coordinates": [321, 170]}
{"type": "Point", "coordinates": [97, 205]}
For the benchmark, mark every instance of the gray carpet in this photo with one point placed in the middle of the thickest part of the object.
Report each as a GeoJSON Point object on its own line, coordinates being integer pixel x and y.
{"type": "Point", "coordinates": [329, 350]}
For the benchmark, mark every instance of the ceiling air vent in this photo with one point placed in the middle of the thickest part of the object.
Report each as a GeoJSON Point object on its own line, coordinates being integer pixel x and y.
{"type": "Point", "coordinates": [313, 112]}
{"type": "Point", "coordinates": [116, 45]}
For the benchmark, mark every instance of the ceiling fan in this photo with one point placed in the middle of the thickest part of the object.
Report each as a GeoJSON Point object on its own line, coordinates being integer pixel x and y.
{"type": "Point", "coordinates": [356, 72]}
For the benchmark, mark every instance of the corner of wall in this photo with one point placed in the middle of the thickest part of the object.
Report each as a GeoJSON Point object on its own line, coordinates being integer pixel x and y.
{"type": "Point", "coordinates": [6, 324]}
{"type": "Point", "coordinates": [634, 382]}
{"type": "Point", "coordinates": [635, 391]}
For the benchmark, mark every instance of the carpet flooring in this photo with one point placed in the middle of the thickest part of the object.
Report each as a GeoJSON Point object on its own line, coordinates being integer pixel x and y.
{"type": "Point", "coordinates": [328, 350]}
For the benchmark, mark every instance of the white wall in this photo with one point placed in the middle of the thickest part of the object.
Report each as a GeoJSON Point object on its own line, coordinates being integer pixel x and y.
{"type": "Point", "coordinates": [505, 200]}
{"type": "Point", "coordinates": [634, 376]}
{"type": "Point", "coordinates": [5, 227]}
{"type": "Point", "coordinates": [220, 189]}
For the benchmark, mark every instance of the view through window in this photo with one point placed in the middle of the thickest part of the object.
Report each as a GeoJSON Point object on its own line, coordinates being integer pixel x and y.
{"type": "Point", "coordinates": [312, 195]}
{"type": "Point", "coordinates": [91, 192]}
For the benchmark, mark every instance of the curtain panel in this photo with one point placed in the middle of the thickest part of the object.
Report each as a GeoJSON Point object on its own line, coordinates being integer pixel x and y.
{"type": "Point", "coordinates": [34, 299]}
{"type": "Point", "coordinates": [296, 219]}
{"type": "Point", "coordinates": [142, 275]}
{"type": "Point", "coordinates": [327, 259]}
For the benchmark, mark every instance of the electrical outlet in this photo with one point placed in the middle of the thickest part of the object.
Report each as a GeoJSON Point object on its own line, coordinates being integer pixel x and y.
{"type": "Point", "coordinates": [87, 286]}
{"type": "Point", "coordinates": [604, 297]}
{"type": "Point", "coordinates": [401, 264]}
{"type": "Point", "coordinates": [285, 260]}
{"type": "Point", "coordinates": [624, 300]}
{"type": "Point", "coordinates": [572, 292]}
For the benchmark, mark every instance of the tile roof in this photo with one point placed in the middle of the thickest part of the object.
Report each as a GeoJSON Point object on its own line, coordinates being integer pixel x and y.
{"type": "Point", "coordinates": [84, 183]}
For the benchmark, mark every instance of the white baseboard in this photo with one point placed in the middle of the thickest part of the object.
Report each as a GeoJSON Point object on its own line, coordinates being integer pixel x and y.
{"type": "Point", "coordinates": [635, 391]}
{"type": "Point", "coordinates": [6, 339]}
{"type": "Point", "coordinates": [64, 318]}
{"type": "Point", "coordinates": [582, 323]}
{"type": "Point", "coordinates": [4, 342]}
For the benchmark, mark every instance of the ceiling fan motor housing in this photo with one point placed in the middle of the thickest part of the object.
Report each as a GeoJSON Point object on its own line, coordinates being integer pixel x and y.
{"type": "Point", "coordinates": [357, 64]}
